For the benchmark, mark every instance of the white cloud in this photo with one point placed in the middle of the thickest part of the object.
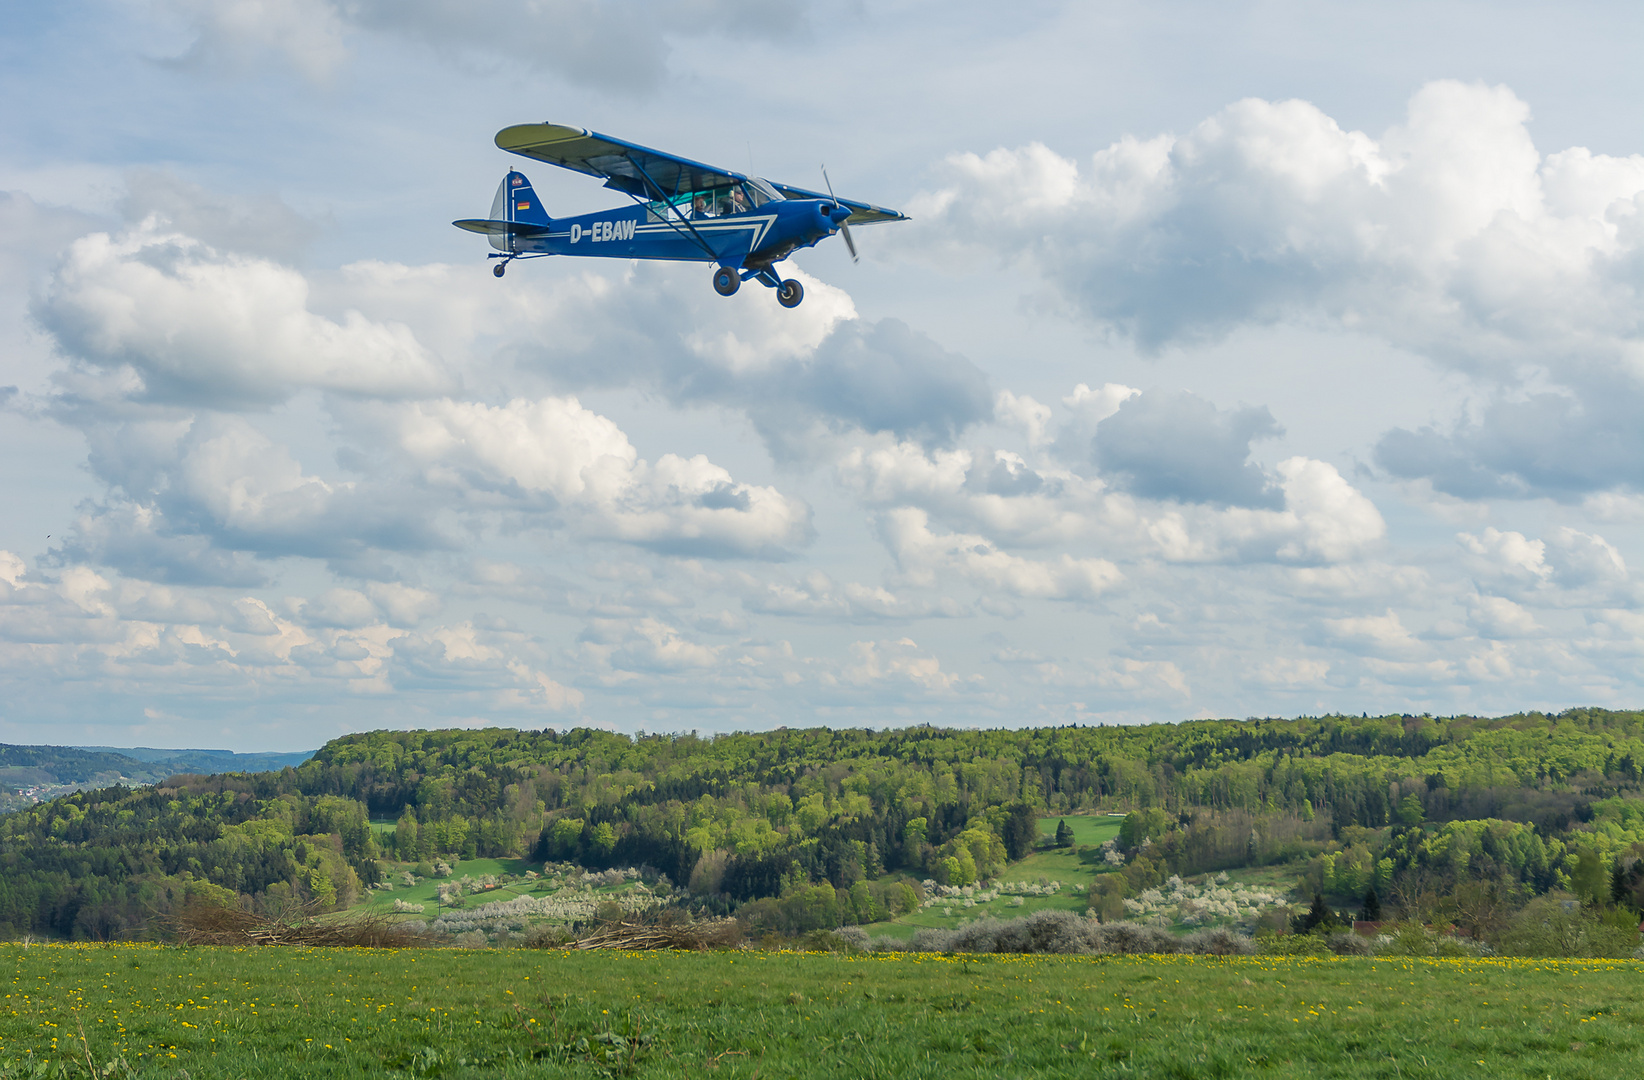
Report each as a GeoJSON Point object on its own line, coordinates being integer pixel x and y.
{"type": "Point", "coordinates": [923, 555]}
{"type": "Point", "coordinates": [1586, 559]}
{"type": "Point", "coordinates": [1032, 418]}
{"type": "Point", "coordinates": [885, 664]}
{"type": "Point", "coordinates": [1450, 235]}
{"type": "Point", "coordinates": [1499, 617]}
{"type": "Point", "coordinates": [1383, 636]}
{"type": "Point", "coordinates": [1293, 672]}
{"type": "Point", "coordinates": [343, 608]}
{"type": "Point", "coordinates": [583, 462]}
{"type": "Point", "coordinates": [1323, 518]}
{"type": "Point", "coordinates": [1508, 554]}
{"type": "Point", "coordinates": [198, 327]}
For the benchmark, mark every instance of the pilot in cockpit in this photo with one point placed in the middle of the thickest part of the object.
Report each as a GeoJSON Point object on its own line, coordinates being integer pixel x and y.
{"type": "Point", "coordinates": [739, 201]}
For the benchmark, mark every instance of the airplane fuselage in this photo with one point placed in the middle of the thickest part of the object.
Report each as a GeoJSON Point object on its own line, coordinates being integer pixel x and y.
{"type": "Point", "coordinates": [751, 239]}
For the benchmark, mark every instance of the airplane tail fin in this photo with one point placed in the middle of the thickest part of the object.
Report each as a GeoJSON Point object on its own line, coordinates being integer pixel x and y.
{"type": "Point", "coordinates": [517, 201]}
{"type": "Point", "coordinates": [516, 211]}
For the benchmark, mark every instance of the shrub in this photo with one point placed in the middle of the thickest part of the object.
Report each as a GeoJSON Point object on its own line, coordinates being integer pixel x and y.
{"type": "Point", "coordinates": [930, 939]}
{"type": "Point", "coordinates": [470, 939]}
{"type": "Point", "coordinates": [1136, 939]}
{"type": "Point", "coordinates": [1346, 943]}
{"type": "Point", "coordinates": [1065, 932]}
{"type": "Point", "coordinates": [1218, 941]}
{"type": "Point", "coordinates": [1293, 945]}
{"type": "Point", "coordinates": [1556, 925]}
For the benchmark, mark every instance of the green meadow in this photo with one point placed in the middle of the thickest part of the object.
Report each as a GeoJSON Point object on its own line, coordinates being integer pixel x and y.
{"type": "Point", "coordinates": [153, 1011]}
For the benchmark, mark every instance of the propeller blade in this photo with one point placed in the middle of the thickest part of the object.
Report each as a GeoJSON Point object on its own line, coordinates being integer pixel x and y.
{"type": "Point", "coordinates": [844, 230]}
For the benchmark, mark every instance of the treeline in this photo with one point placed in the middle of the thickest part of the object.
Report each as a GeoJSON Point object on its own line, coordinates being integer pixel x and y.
{"type": "Point", "coordinates": [746, 818]}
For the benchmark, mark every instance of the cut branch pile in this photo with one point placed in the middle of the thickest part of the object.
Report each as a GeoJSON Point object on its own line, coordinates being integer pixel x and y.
{"type": "Point", "coordinates": [664, 933]}
{"type": "Point", "coordinates": [203, 924]}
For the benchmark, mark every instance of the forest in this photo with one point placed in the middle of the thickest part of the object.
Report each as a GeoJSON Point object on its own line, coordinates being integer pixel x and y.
{"type": "Point", "coordinates": [1462, 818]}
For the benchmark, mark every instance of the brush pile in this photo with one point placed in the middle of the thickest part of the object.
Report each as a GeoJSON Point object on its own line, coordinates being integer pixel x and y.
{"type": "Point", "coordinates": [206, 924]}
{"type": "Point", "coordinates": [668, 930]}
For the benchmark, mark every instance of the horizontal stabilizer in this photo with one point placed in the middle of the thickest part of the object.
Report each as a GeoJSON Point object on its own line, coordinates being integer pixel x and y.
{"type": "Point", "coordinates": [492, 227]}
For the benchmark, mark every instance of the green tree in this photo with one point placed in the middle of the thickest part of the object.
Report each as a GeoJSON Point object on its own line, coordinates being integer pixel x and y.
{"type": "Point", "coordinates": [1064, 835]}
{"type": "Point", "coordinates": [1020, 832]}
{"type": "Point", "coordinates": [1588, 880]}
{"type": "Point", "coordinates": [405, 835]}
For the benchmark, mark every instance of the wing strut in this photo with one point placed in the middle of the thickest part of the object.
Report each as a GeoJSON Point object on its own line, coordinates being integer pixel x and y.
{"type": "Point", "coordinates": [672, 205]}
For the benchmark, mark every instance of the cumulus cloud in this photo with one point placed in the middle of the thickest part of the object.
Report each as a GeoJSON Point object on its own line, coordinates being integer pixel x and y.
{"type": "Point", "coordinates": [804, 377]}
{"type": "Point", "coordinates": [192, 492]}
{"type": "Point", "coordinates": [1321, 517]}
{"type": "Point", "coordinates": [1176, 445]}
{"type": "Point", "coordinates": [923, 554]}
{"type": "Point", "coordinates": [1450, 234]}
{"type": "Point", "coordinates": [236, 220]}
{"type": "Point", "coordinates": [183, 645]}
{"type": "Point", "coordinates": [1382, 636]}
{"type": "Point", "coordinates": [818, 596]}
{"type": "Point", "coordinates": [1581, 439]}
{"type": "Point", "coordinates": [573, 458]}
{"type": "Point", "coordinates": [895, 668]}
{"type": "Point", "coordinates": [1567, 568]}
{"type": "Point", "coordinates": [1499, 617]}
{"type": "Point", "coordinates": [197, 327]}
{"type": "Point", "coordinates": [824, 371]}
{"type": "Point", "coordinates": [614, 47]}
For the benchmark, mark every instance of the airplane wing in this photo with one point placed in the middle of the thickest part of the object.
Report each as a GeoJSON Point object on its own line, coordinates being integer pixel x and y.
{"type": "Point", "coordinates": [861, 213]}
{"type": "Point", "coordinates": [625, 166]}
{"type": "Point", "coordinates": [646, 173]}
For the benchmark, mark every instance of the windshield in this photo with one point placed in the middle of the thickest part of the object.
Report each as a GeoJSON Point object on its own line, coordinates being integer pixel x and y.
{"type": "Point", "coordinates": [733, 197]}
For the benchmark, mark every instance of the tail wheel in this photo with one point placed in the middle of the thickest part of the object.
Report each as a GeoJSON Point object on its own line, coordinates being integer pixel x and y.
{"type": "Point", "coordinates": [499, 269]}
{"type": "Point", "coordinates": [726, 281]}
{"type": "Point", "coordinates": [790, 293]}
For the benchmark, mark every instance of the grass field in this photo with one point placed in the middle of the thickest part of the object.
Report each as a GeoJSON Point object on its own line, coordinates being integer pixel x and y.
{"type": "Point", "coordinates": [454, 1013]}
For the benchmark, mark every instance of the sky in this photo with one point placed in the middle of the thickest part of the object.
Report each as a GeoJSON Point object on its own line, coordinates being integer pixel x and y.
{"type": "Point", "coordinates": [1238, 359]}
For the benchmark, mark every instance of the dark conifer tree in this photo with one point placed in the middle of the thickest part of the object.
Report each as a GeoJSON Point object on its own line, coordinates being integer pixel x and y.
{"type": "Point", "coordinates": [1372, 905]}
{"type": "Point", "coordinates": [1319, 916]}
{"type": "Point", "coordinates": [1064, 835]}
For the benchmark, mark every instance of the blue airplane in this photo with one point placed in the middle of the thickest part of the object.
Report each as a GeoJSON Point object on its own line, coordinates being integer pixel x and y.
{"type": "Point", "coordinates": [683, 211]}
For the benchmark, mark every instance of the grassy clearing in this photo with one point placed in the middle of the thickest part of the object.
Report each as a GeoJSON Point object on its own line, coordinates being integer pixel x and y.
{"type": "Point", "coordinates": [423, 891]}
{"type": "Point", "coordinates": [352, 1013]}
{"type": "Point", "coordinates": [1095, 829]}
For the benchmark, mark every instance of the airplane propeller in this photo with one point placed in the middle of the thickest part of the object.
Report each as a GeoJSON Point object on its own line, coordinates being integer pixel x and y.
{"type": "Point", "coordinates": [844, 230]}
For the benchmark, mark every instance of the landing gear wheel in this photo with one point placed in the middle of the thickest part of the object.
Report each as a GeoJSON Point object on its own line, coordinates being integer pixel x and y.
{"type": "Point", "coordinates": [726, 281]}
{"type": "Point", "coordinates": [790, 293]}
{"type": "Point", "coordinates": [499, 269]}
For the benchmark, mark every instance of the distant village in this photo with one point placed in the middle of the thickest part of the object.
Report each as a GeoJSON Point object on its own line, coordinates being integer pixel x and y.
{"type": "Point", "coordinates": [20, 798]}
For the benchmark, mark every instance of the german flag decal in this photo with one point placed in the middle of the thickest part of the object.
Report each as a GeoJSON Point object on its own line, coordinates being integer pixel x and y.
{"type": "Point", "coordinates": [522, 206]}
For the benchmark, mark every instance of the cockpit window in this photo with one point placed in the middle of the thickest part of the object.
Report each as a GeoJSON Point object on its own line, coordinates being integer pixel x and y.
{"type": "Point", "coordinates": [733, 198]}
